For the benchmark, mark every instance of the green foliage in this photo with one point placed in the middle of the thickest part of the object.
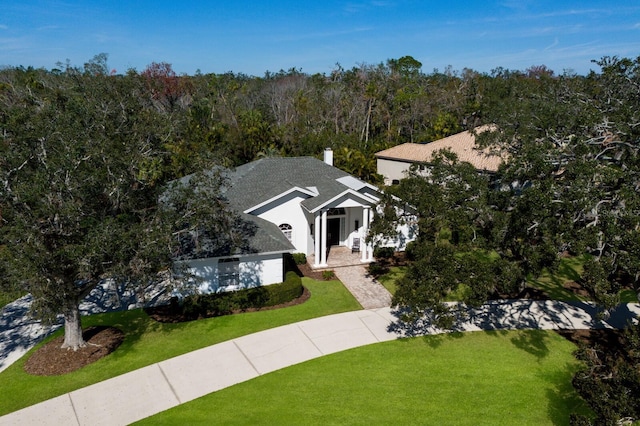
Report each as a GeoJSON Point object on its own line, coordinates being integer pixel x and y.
{"type": "Point", "coordinates": [83, 166]}
{"type": "Point", "coordinates": [216, 304]}
{"type": "Point", "coordinates": [328, 275]}
{"type": "Point", "coordinates": [383, 252]}
{"type": "Point", "coordinates": [376, 269]}
{"type": "Point", "coordinates": [610, 381]}
{"type": "Point", "coordinates": [300, 258]}
{"type": "Point", "coordinates": [567, 187]}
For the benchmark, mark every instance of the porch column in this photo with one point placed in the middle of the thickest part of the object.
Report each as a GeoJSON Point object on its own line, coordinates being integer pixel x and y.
{"type": "Point", "coordinates": [364, 247]}
{"type": "Point", "coordinates": [316, 239]}
{"type": "Point", "coordinates": [323, 238]}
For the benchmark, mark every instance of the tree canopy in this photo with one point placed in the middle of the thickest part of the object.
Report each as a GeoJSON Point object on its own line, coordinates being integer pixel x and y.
{"type": "Point", "coordinates": [569, 187]}
{"type": "Point", "coordinates": [82, 164]}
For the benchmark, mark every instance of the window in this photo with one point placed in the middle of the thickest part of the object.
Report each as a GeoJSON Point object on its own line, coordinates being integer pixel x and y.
{"type": "Point", "coordinates": [287, 230]}
{"type": "Point", "coordinates": [357, 225]}
{"type": "Point", "coordinates": [228, 273]}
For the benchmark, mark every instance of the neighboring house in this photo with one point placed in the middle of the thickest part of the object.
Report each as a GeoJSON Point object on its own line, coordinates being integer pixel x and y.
{"type": "Point", "coordinates": [297, 204]}
{"type": "Point", "coordinates": [393, 163]}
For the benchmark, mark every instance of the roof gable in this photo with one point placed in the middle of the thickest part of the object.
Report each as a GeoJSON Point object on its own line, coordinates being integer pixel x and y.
{"type": "Point", "coordinates": [266, 180]}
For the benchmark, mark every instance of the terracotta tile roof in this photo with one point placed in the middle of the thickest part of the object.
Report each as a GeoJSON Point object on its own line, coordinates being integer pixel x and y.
{"type": "Point", "coordinates": [462, 144]}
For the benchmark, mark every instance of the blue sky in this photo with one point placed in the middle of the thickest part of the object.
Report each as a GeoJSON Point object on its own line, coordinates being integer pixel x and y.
{"type": "Point", "coordinates": [252, 37]}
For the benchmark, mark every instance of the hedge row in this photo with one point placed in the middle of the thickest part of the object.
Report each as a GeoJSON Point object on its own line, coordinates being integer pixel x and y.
{"type": "Point", "coordinates": [208, 305]}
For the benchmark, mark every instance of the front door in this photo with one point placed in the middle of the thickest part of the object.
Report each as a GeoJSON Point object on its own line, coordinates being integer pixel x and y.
{"type": "Point", "coordinates": [333, 232]}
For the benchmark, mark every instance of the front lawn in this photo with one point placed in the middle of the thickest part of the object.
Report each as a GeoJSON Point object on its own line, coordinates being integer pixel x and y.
{"type": "Point", "coordinates": [148, 342]}
{"type": "Point", "coordinates": [491, 378]}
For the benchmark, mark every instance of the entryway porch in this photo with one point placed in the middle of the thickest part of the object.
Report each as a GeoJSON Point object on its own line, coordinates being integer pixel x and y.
{"type": "Point", "coordinates": [337, 257]}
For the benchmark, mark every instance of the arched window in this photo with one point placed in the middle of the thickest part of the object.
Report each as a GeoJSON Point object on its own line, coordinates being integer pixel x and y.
{"type": "Point", "coordinates": [287, 230]}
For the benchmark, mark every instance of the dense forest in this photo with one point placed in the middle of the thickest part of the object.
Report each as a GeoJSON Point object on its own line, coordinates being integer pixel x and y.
{"type": "Point", "coordinates": [232, 118]}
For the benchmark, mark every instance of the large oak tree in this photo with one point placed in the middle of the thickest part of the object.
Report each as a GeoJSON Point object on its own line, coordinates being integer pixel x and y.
{"type": "Point", "coordinates": [81, 167]}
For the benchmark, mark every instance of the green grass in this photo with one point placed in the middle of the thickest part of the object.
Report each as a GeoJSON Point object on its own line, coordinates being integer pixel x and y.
{"type": "Point", "coordinates": [491, 378]}
{"type": "Point", "coordinates": [390, 279]}
{"type": "Point", "coordinates": [147, 342]}
{"type": "Point", "coordinates": [628, 296]}
{"type": "Point", "coordinates": [8, 297]}
{"type": "Point", "coordinates": [570, 269]}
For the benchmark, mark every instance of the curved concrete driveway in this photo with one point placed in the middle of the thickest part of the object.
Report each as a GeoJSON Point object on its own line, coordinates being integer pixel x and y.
{"type": "Point", "coordinates": [149, 390]}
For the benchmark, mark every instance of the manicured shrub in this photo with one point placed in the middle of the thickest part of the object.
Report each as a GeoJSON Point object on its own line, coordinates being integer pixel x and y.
{"type": "Point", "coordinates": [300, 258]}
{"type": "Point", "coordinates": [290, 289]}
{"type": "Point", "coordinates": [217, 304]}
{"type": "Point", "coordinates": [410, 251]}
{"type": "Point", "coordinates": [376, 269]}
{"type": "Point", "coordinates": [383, 252]}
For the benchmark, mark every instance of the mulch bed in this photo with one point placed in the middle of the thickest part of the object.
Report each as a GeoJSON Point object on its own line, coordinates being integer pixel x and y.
{"type": "Point", "coordinates": [609, 340]}
{"type": "Point", "coordinates": [309, 272]}
{"type": "Point", "coordinates": [52, 360]}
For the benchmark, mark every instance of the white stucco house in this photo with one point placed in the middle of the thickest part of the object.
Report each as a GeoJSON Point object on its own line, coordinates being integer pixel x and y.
{"type": "Point", "coordinates": [393, 163]}
{"type": "Point", "coordinates": [294, 205]}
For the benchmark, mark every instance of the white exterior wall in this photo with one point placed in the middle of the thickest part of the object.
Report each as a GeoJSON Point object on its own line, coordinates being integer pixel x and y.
{"type": "Point", "coordinates": [255, 270]}
{"type": "Point", "coordinates": [405, 233]}
{"type": "Point", "coordinates": [392, 169]}
{"type": "Point", "coordinates": [352, 232]}
{"type": "Point", "coordinates": [288, 210]}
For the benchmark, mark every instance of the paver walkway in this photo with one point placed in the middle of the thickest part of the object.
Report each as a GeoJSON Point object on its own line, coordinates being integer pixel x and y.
{"type": "Point", "coordinates": [158, 387]}
{"type": "Point", "coordinates": [367, 291]}
{"type": "Point", "coordinates": [354, 275]}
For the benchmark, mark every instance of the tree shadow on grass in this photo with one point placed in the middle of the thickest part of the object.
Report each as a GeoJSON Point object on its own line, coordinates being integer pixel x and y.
{"type": "Point", "coordinates": [533, 342]}
{"type": "Point", "coordinates": [562, 398]}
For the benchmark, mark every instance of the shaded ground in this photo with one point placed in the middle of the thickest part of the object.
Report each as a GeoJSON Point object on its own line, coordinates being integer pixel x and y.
{"type": "Point", "coordinates": [52, 360]}
{"type": "Point", "coordinates": [608, 340]}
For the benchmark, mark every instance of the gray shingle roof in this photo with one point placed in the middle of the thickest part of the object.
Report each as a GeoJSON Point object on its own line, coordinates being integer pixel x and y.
{"type": "Point", "coordinates": [261, 180]}
{"type": "Point", "coordinates": [254, 183]}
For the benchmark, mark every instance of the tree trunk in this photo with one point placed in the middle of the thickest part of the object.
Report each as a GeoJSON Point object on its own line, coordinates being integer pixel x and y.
{"type": "Point", "coordinates": [73, 328]}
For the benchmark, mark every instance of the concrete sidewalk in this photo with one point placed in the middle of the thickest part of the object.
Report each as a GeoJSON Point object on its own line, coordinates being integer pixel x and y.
{"type": "Point", "coordinates": [158, 387]}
